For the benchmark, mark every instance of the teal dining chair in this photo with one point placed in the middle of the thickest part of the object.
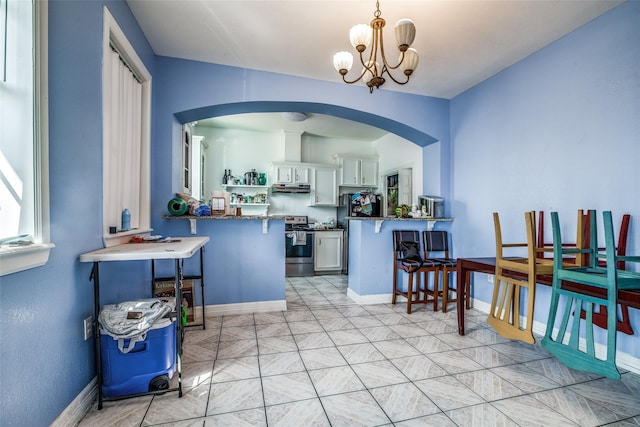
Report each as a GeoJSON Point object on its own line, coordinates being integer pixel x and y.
{"type": "Point", "coordinates": [586, 287]}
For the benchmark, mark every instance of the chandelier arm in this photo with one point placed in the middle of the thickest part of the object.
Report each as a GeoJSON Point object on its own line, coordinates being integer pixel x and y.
{"type": "Point", "coordinates": [386, 70]}
{"type": "Point", "coordinates": [397, 65]}
{"type": "Point", "coordinates": [364, 70]}
{"type": "Point", "coordinates": [344, 78]}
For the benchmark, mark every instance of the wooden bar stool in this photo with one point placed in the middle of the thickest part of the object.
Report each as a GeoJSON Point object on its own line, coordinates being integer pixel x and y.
{"type": "Point", "coordinates": [406, 244]}
{"type": "Point", "coordinates": [436, 249]}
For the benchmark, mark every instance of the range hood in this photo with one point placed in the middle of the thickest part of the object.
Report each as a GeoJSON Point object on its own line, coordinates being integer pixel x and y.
{"type": "Point", "coordinates": [291, 188]}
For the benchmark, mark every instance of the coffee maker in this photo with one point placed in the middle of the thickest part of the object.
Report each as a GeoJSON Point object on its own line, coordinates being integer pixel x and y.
{"type": "Point", "coordinates": [251, 178]}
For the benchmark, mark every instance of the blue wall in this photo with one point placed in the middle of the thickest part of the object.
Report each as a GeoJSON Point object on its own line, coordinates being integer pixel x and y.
{"type": "Point", "coordinates": [44, 361]}
{"type": "Point", "coordinates": [558, 131]}
{"type": "Point", "coordinates": [579, 93]}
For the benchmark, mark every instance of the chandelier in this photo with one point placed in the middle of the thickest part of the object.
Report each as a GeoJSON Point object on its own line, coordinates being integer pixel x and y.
{"type": "Point", "coordinates": [362, 36]}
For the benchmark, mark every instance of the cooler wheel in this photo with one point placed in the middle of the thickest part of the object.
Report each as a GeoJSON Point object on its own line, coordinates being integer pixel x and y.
{"type": "Point", "coordinates": [159, 383]}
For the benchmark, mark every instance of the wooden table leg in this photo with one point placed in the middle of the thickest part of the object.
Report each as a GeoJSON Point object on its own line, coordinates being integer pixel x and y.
{"type": "Point", "coordinates": [461, 287]}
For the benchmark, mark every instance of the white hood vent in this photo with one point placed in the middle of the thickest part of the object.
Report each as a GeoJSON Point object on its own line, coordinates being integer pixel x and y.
{"type": "Point", "coordinates": [292, 145]}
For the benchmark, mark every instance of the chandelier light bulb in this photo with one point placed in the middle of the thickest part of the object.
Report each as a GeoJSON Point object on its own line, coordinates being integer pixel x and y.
{"type": "Point", "coordinates": [343, 61]}
{"type": "Point", "coordinates": [360, 36]}
{"type": "Point", "coordinates": [405, 33]}
{"type": "Point", "coordinates": [410, 61]}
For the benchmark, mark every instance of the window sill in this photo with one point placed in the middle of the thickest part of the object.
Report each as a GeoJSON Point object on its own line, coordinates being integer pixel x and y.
{"type": "Point", "coordinates": [19, 258]}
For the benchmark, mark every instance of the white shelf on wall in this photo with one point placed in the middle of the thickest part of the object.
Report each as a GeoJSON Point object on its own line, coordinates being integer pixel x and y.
{"type": "Point", "coordinates": [253, 187]}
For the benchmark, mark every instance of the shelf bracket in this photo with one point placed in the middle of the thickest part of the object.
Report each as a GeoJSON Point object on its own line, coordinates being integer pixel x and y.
{"type": "Point", "coordinates": [378, 225]}
{"type": "Point", "coordinates": [265, 226]}
{"type": "Point", "coordinates": [192, 225]}
{"type": "Point", "coordinates": [431, 224]}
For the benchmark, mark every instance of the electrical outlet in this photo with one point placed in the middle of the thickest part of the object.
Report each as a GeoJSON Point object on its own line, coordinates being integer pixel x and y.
{"type": "Point", "coordinates": [88, 328]}
{"type": "Point", "coordinates": [490, 278]}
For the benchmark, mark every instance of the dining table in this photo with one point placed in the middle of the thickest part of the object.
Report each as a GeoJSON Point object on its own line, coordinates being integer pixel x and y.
{"type": "Point", "coordinates": [487, 265]}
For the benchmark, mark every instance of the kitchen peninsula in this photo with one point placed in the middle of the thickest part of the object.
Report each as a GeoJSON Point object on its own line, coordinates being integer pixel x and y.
{"type": "Point", "coordinates": [371, 255]}
{"type": "Point", "coordinates": [245, 260]}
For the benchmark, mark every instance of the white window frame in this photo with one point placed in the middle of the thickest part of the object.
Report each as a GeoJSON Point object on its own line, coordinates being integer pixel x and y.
{"type": "Point", "coordinates": [19, 258]}
{"type": "Point", "coordinates": [113, 35]}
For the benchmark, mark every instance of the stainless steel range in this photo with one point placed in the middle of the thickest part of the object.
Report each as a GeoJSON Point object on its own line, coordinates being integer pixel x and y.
{"type": "Point", "coordinates": [298, 246]}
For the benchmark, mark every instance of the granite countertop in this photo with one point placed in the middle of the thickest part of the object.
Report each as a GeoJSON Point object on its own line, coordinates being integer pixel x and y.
{"type": "Point", "coordinates": [394, 218]}
{"type": "Point", "coordinates": [244, 217]}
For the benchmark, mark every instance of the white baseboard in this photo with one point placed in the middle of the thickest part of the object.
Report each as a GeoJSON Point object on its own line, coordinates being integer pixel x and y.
{"type": "Point", "coordinates": [623, 360]}
{"type": "Point", "coordinates": [75, 412]}
{"type": "Point", "coordinates": [369, 299]}
{"type": "Point", "coordinates": [245, 308]}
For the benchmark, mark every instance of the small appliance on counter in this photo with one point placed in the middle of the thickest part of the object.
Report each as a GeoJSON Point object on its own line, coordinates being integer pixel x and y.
{"type": "Point", "coordinates": [431, 206]}
{"type": "Point", "coordinates": [251, 178]}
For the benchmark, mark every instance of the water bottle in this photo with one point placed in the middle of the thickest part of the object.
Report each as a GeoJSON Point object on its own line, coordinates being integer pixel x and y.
{"type": "Point", "coordinates": [126, 220]}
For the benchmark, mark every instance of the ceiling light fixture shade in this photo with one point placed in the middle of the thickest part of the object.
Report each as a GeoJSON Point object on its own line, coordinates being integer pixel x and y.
{"type": "Point", "coordinates": [360, 36]}
{"type": "Point", "coordinates": [363, 37]}
{"type": "Point", "coordinates": [295, 116]}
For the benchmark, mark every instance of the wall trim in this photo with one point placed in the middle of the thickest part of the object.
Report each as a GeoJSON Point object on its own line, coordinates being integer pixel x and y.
{"type": "Point", "coordinates": [245, 308]}
{"type": "Point", "coordinates": [79, 407]}
{"type": "Point", "coordinates": [369, 299]}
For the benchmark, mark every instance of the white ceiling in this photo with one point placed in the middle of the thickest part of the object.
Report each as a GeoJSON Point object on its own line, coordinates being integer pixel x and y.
{"type": "Point", "coordinates": [460, 42]}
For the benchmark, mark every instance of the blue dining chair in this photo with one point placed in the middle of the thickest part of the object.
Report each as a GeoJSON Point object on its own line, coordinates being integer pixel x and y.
{"type": "Point", "coordinates": [583, 288]}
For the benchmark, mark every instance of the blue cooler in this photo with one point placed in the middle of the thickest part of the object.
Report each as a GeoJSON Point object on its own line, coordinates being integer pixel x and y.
{"type": "Point", "coordinates": [148, 366]}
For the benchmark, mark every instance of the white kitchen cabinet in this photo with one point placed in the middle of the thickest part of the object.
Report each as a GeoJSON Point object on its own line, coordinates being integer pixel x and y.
{"type": "Point", "coordinates": [328, 250]}
{"type": "Point", "coordinates": [369, 172]}
{"type": "Point", "coordinates": [291, 174]}
{"type": "Point", "coordinates": [358, 172]}
{"type": "Point", "coordinates": [324, 187]}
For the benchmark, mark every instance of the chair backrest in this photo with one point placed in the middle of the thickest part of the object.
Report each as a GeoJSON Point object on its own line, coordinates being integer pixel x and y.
{"type": "Point", "coordinates": [529, 218]}
{"type": "Point", "coordinates": [621, 247]}
{"type": "Point", "coordinates": [435, 241]}
{"type": "Point", "coordinates": [582, 235]}
{"type": "Point", "coordinates": [585, 258]}
{"type": "Point", "coordinates": [404, 236]}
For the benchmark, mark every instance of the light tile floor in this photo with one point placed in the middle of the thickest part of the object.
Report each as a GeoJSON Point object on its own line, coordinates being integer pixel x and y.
{"type": "Point", "coordinates": [327, 361]}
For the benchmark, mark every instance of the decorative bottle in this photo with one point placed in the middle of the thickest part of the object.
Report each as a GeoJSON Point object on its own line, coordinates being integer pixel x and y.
{"type": "Point", "coordinates": [126, 220]}
{"type": "Point", "coordinates": [262, 179]}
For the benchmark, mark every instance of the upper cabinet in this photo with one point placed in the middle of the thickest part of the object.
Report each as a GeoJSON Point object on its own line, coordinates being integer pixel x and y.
{"type": "Point", "coordinates": [358, 172]}
{"type": "Point", "coordinates": [324, 187]}
{"type": "Point", "coordinates": [291, 174]}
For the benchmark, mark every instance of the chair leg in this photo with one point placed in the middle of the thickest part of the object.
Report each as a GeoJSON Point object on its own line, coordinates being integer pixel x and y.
{"type": "Point", "coordinates": [395, 286]}
{"type": "Point", "coordinates": [436, 289]}
{"type": "Point", "coordinates": [409, 292]}
{"type": "Point", "coordinates": [445, 289]}
{"type": "Point", "coordinates": [467, 291]}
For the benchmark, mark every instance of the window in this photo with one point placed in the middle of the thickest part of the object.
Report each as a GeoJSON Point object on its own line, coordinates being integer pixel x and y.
{"type": "Point", "coordinates": [24, 191]}
{"type": "Point", "coordinates": [126, 135]}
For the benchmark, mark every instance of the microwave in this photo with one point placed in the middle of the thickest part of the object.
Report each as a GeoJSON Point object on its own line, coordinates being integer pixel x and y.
{"type": "Point", "coordinates": [431, 206]}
